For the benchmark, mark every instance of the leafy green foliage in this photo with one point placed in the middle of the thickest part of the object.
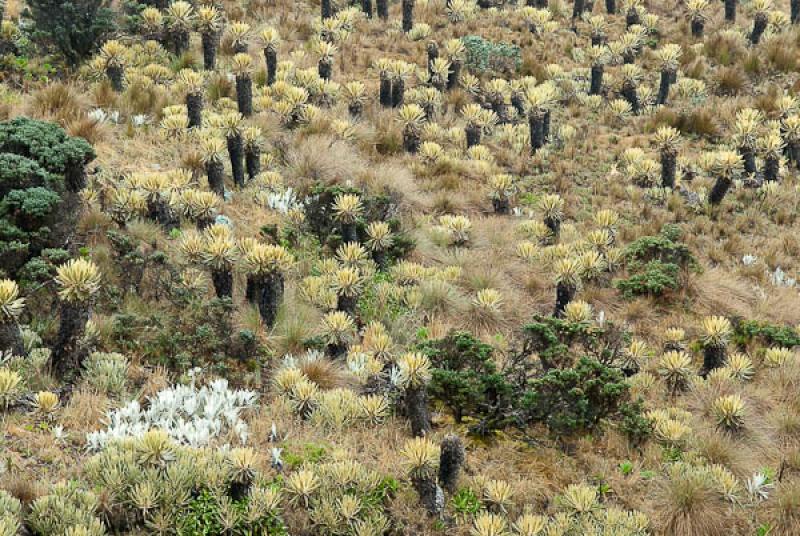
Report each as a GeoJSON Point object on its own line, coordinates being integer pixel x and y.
{"type": "Point", "coordinates": [484, 56]}
{"type": "Point", "coordinates": [199, 335]}
{"type": "Point", "coordinates": [747, 330]}
{"type": "Point", "coordinates": [42, 269]}
{"type": "Point", "coordinates": [557, 341]}
{"type": "Point", "coordinates": [575, 399]}
{"type": "Point", "coordinates": [319, 209]}
{"type": "Point", "coordinates": [655, 264]}
{"type": "Point", "coordinates": [466, 502]}
{"type": "Point", "coordinates": [73, 28]}
{"type": "Point", "coordinates": [203, 516]}
{"type": "Point", "coordinates": [466, 380]}
{"type": "Point", "coordinates": [46, 144]}
{"type": "Point", "coordinates": [636, 427]}
{"type": "Point", "coordinates": [38, 162]}
{"type": "Point", "coordinates": [652, 279]}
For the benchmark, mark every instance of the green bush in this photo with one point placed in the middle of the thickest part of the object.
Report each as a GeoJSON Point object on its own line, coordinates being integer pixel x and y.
{"type": "Point", "coordinates": [656, 264]}
{"type": "Point", "coordinates": [652, 279]}
{"type": "Point", "coordinates": [557, 341]}
{"type": "Point", "coordinates": [41, 171]}
{"type": "Point", "coordinates": [748, 330]}
{"type": "Point", "coordinates": [319, 210]}
{"type": "Point", "coordinates": [636, 427]}
{"type": "Point", "coordinates": [576, 399]}
{"type": "Point", "coordinates": [484, 56]}
{"type": "Point", "coordinates": [466, 380]}
{"type": "Point", "coordinates": [73, 28]}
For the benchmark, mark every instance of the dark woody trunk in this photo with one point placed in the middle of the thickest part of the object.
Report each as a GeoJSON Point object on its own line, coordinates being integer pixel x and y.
{"type": "Point", "coordinates": [325, 9]}
{"type": "Point", "coordinates": [223, 283]}
{"type": "Point", "coordinates": [546, 126]}
{"type": "Point", "coordinates": [11, 338]}
{"type": "Point", "coordinates": [366, 7]}
{"type": "Point", "coordinates": [180, 41]}
{"type": "Point", "coordinates": [536, 126]}
{"type": "Point", "coordinates": [271, 59]}
{"type": "Point", "coordinates": [473, 135]}
{"type": "Point", "coordinates": [667, 78]}
{"type": "Point", "coordinates": [336, 350]}
{"type": "Point", "coordinates": [596, 86]}
{"type": "Point", "coordinates": [115, 74]}
{"type": "Point", "coordinates": [381, 259]}
{"type": "Point", "coordinates": [667, 169]}
{"type": "Point", "coordinates": [759, 25]}
{"type": "Point", "coordinates": [252, 160]}
{"type": "Point", "coordinates": [417, 411]}
{"type": "Point", "coordinates": [325, 68]}
{"type": "Point", "coordinates": [349, 232]}
{"type": "Point", "coordinates": [268, 296]}
{"type": "Point", "coordinates": [501, 205]}
{"type": "Point", "coordinates": [794, 6]}
{"type": "Point", "coordinates": [611, 7]}
{"type": "Point", "coordinates": [347, 304]}
{"type": "Point", "coordinates": [385, 96]}
{"type": "Point", "coordinates": [771, 168]}
{"type": "Point", "coordinates": [698, 26]}
{"type": "Point", "coordinates": [500, 108]}
{"type": "Point", "coordinates": [67, 358]}
{"type": "Point", "coordinates": [244, 95]}
{"type": "Point", "coordinates": [451, 459]}
{"type": "Point", "coordinates": [749, 157]}
{"type": "Point", "coordinates": [159, 211]}
{"type": "Point", "coordinates": [398, 91]}
{"type": "Point", "coordinates": [355, 109]}
{"type": "Point", "coordinates": [210, 42]}
{"type": "Point", "coordinates": [408, 15]}
{"type": "Point", "coordinates": [194, 109]}
{"type": "Point", "coordinates": [632, 17]}
{"type": "Point", "coordinates": [629, 94]}
{"type": "Point", "coordinates": [730, 10]}
{"type": "Point", "coordinates": [577, 8]}
{"type": "Point", "coordinates": [555, 227]}
{"type": "Point", "coordinates": [629, 57]}
{"type": "Point", "coordinates": [564, 294]}
{"type": "Point", "coordinates": [713, 358]}
{"type": "Point", "coordinates": [433, 55]}
{"type": "Point", "coordinates": [235, 151]}
{"type": "Point", "coordinates": [215, 171]}
{"type": "Point", "coordinates": [719, 190]}
{"type": "Point", "coordinates": [382, 7]}
{"type": "Point", "coordinates": [410, 141]}
{"type": "Point", "coordinates": [518, 102]}
{"type": "Point", "coordinates": [454, 75]}
{"type": "Point", "coordinates": [430, 495]}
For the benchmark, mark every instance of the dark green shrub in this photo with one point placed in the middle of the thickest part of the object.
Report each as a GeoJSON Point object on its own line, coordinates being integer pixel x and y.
{"type": "Point", "coordinates": [202, 517]}
{"type": "Point", "coordinates": [484, 56]}
{"type": "Point", "coordinates": [319, 210]}
{"type": "Point", "coordinates": [653, 279]}
{"type": "Point", "coordinates": [49, 146]}
{"type": "Point", "coordinates": [636, 427]}
{"type": "Point", "coordinates": [466, 380]}
{"type": "Point", "coordinates": [557, 341]}
{"type": "Point", "coordinates": [573, 400]}
{"type": "Point", "coordinates": [746, 331]}
{"type": "Point", "coordinates": [41, 171]}
{"type": "Point", "coordinates": [73, 28]}
{"type": "Point", "coordinates": [42, 269]}
{"type": "Point", "coordinates": [656, 264]}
